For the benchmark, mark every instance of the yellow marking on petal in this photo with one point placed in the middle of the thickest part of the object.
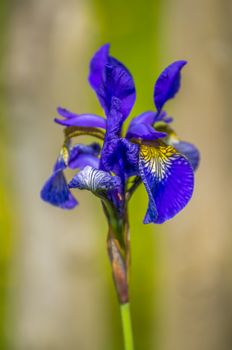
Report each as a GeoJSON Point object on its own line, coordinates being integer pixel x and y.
{"type": "Point", "coordinates": [65, 154]}
{"type": "Point", "coordinates": [157, 158]}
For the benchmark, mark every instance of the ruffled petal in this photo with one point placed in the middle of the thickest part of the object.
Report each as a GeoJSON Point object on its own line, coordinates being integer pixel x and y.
{"type": "Point", "coordinates": [130, 157]}
{"type": "Point", "coordinates": [121, 157]}
{"type": "Point", "coordinates": [110, 79]}
{"type": "Point", "coordinates": [169, 180]}
{"type": "Point", "coordinates": [81, 120]}
{"type": "Point", "coordinates": [189, 151]}
{"type": "Point", "coordinates": [168, 84]}
{"type": "Point", "coordinates": [96, 181]}
{"type": "Point", "coordinates": [56, 192]}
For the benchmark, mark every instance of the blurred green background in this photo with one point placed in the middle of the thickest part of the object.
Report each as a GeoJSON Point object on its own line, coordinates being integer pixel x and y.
{"type": "Point", "coordinates": [55, 284]}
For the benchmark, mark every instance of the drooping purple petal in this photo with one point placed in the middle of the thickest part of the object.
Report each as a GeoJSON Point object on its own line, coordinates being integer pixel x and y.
{"type": "Point", "coordinates": [144, 132]}
{"type": "Point", "coordinates": [82, 155]}
{"type": "Point", "coordinates": [56, 192]}
{"type": "Point", "coordinates": [94, 180]}
{"type": "Point", "coordinates": [110, 79]}
{"type": "Point", "coordinates": [82, 120]}
{"type": "Point", "coordinates": [168, 84]}
{"type": "Point", "coordinates": [189, 151]}
{"type": "Point", "coordinates": [83, 160]}
{"type": "Point", "coordinates": [169, 181]}
{"type": "Point", "coordinates": [93, 149]}
{"type": "Point", "coordinates": [59, 164]}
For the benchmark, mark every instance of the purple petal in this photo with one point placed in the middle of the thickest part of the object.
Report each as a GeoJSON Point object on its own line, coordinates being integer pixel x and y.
{"type": "Point", "coordinates": [169, 181]}
{"type": "Point", "coordinates": [65, 113]}
{"type": "Point", "coordinates": [141, 127]}
{"type": "Point", "coordinates": [147, 117]}
{"type": "Point", "coordinates": [189, 151]}
{"type": "Point", "coordinates": [119, 83]}
{"type": "Point", "coordinates": [144, 132]}
{"type": "Point", "coordinates": [110, 79]}
{"type": "Point", "coordinates": [97, 67]}
{"type": "Point", "coordinates": [82, 120]}
{"type": "Point", "coordinates": [130, 157]}
{"type": "Point", "coordinates": [56, 192]}
{"type": "Point", "coordinates": [163, 117]}
{"type": "Point", "coordinates": [94, 180]}
{"type": "Point", "coordinates": [121, 156]}
{"type": "Point", "coordinates": [82, 155]}
{"type": "Point", "coordinates": [93, 149]}
{"type": "Point", "coordinates": [83, 160]}
{"type": "Point", "coordinates": [168, 84]}
{"type": "Point", "coordinates": [60, 164]}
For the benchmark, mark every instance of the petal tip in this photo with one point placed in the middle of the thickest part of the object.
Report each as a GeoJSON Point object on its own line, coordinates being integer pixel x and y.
{"type": "Point", "coordinates": [168, 83]}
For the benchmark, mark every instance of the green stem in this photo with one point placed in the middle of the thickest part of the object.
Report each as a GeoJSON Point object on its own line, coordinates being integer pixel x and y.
{"type": "Point", "coordinates": [126, 325]}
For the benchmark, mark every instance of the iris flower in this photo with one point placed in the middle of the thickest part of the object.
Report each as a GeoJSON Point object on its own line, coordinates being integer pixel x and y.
{"type": "Point", "coordinates": [148, 153]}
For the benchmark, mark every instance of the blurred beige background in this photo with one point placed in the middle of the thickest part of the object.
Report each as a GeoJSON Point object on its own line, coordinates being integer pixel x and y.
{"type": "Point", "coordinates": [58, 292]}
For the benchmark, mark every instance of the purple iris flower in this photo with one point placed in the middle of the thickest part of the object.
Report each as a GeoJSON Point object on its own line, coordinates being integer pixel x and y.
{"type": "Point", "coordinates": [149, 153]}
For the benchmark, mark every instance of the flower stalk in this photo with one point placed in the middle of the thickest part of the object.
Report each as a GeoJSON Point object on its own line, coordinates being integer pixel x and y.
{"type": "Point", "coordinates": [126, 326]}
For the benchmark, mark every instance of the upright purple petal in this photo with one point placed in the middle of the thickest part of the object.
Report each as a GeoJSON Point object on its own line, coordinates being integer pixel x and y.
{"type": "Point", "coordinates": [169, 181]}
{"type": "Point", "coordinates": [81, 120]}
{"type": "Point", "coordinates": [97, 68]}
{"type": "Point", "coordinates": [130, 157]}
{"type": "Point", "coordinates": [121, 157]}
{"type": "Point", "coordinates": [119, 83]}
{"type": "Point", "coordinates": [168, 84]}
{"type": "Point", "coordinates": [110, 79]}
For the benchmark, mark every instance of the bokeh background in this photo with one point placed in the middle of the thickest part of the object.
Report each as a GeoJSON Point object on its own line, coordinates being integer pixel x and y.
{"type": "Point", "coordinates": [55, 281]}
